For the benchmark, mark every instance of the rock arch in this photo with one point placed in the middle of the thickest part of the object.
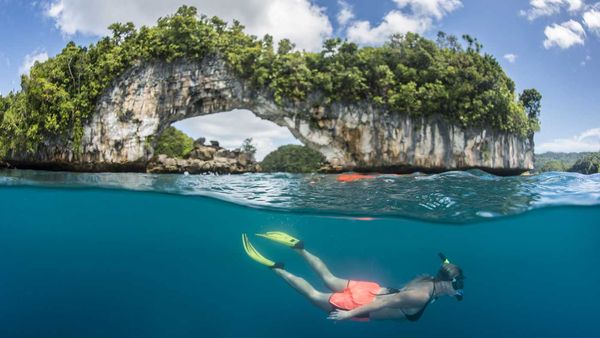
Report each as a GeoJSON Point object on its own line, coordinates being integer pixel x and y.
{"type": "Point", "coordinates": [151, 96]}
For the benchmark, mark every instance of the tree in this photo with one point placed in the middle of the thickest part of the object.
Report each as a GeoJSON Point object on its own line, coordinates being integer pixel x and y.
{"type": "Point", "coordinates": [174, 143]}
{"type": "Point", "coordinates": [473, 45]}
{"type": "Point", "coordinates": [285, 47]}
{"type": "Point", "coordinates": [121, 32]}
{"type": "Point", "coordinates": [293, 158]}
{"type": "Point", "coordinates": [248, 147]}
{"type": "Point", "coordinates": [531, 100]}
{"type": "Point", "coordinates": [568, 159]}
{"type": "Point", "coordinates": [590, 164]}
{"type": "Point", "coordinates": [554, 165]}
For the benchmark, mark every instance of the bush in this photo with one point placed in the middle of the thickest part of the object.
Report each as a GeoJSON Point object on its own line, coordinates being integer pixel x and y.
{"type": "Point", "coordinates": [587, 165]}
{"type": "Point", "coordinates": [294, 159]}
{"type": "Point", "coordinates": [174, 143]}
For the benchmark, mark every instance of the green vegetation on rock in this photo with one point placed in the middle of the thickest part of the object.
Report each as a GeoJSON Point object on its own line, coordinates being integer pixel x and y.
{"type": "Point", "coordinates": [565, 161]}
{"type": "Point", "coordinates": [248, 147]}
{"type": "Point", "coordinates": [293, 158]}
{"type": "Point", "coordinates": [408, 75]}
{"type": "Point", "coordinates": [531, 100]}
{"type": "Point", "coordinates": [585, 163]}
{"type": "Point", "coordinates": [554, 165]}
{"type": "Point", "coordinates": [174, 143]}
{"type": "Point", "coordinates": [590, 164]}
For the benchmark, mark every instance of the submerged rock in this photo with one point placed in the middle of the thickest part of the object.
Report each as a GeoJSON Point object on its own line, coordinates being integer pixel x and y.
{"type": "Point", "coordinates": [351, 137]}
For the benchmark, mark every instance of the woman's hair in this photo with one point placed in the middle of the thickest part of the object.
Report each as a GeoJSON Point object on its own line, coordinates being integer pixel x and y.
{"type": "Point", "coordinates": [448, 272]}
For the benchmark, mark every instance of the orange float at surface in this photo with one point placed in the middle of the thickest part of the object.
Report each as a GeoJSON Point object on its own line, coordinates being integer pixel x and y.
{"type": "Point", "coordinates": [353, 177]}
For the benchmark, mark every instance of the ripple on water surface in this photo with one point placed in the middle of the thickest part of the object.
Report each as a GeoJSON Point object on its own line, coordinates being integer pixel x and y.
{"type": "Point", "coordinates": [455, 197]}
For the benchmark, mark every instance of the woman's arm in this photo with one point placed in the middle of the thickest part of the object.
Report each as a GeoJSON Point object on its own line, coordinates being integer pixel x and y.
{"type": "Point", "coordinates": [397, 300]}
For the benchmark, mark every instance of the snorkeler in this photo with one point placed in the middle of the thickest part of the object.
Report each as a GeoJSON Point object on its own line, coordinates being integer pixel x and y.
{"type": "Point", "coordinates": [357, 300]}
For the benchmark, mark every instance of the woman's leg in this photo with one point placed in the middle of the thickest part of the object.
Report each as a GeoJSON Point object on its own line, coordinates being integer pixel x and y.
{"type": "Point", "coordinates": [334, 283]}
{"type": "Point", "coordinates": [319, 299]}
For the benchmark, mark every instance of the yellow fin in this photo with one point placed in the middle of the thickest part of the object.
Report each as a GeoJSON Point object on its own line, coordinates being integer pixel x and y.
{"type": "Point", "coordinates": [255, 255]}
{"type": "Point", "coordinates": [282, 238]}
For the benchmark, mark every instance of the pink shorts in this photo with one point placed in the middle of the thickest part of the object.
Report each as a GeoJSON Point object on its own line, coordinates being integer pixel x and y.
{"type": "Point", "coordinates": [354, 295]}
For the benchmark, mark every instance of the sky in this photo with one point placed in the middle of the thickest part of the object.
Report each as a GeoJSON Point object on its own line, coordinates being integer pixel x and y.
{"type": "Point", "coordinates": [550, 45]}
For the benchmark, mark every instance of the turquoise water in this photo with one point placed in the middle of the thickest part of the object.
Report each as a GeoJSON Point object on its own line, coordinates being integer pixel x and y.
{"type": "Point", "coordinates": [107, 255]}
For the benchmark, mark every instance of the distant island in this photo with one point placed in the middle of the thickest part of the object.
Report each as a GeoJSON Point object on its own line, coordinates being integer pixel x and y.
{"type": "Point", "coordinates": [584, 162]}
{"type": "Point", "coordinates": [411, 104]}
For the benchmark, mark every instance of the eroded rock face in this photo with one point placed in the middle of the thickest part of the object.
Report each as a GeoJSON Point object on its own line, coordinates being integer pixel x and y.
{"type": "Point", "coordinates": [149, 97]}
{"type": "Point", "coordinates": [370, 140]}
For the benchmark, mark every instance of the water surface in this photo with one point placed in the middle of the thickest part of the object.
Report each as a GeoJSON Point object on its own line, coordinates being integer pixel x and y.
{"type": "Point", "coordinates": [80, 260]}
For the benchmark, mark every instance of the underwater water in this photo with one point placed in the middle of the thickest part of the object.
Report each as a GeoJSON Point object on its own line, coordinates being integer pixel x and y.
{"type": "Point", "coordinates": [133, 255]}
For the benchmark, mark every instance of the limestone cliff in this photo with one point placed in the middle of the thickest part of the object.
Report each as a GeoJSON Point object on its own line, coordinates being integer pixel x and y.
{"type": "Point", "coordinates": [146, 99]}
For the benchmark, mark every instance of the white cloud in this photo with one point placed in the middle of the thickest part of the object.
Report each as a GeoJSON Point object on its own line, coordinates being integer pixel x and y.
{"type": "Point", "coordinates": [564, 35]}
{"type": "Point", "coordinates": [588, 140]}
{"type": "Point", "coordinates": [394, 22]}
{"type": "Point", "coordinates": [541, 8]}
{"type": "Point", "coordinates": [591, 19]}
{"type": "Point", "coordinates": [430, 8]}
{"type": "Point", "coordinates": [30, 60]}
{"type": "Point", "coordinates": [345, 14]}
{"type": "Point", "coordinates": [511, 58]}
{"type": "Point", "coordinates": [575, 5]}
{"type": "Point", "coordinates": [301, 21]}
{"type": "Point", "coordinates": [410, 16]}
{"type": "Point", "coordinates": [231, 128]}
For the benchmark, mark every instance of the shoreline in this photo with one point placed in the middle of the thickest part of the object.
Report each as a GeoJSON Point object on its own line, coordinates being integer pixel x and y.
{"type": "Point", "coordinates": [139, 167]}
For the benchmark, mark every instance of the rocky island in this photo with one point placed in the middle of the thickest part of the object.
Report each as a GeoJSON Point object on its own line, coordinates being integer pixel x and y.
{"type": "Point", "coordinates": [204, 158]}
{"type": "Point", "coordinates": [412, 104]}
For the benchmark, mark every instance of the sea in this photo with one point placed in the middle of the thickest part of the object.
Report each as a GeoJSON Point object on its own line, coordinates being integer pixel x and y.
{"type": "Point", "coordinates": [137, 255]}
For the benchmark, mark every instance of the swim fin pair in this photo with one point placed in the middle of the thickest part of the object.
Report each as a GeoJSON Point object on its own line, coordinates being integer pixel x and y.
{"type": "Point", "coordinates": [276, 236]}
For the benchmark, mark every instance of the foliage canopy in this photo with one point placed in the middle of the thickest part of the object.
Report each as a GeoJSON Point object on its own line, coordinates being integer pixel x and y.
{"type": "Point", "coordinates": [554, 165]}
{"type": "Point", "coordinates": [248, 147]}
{"type": "Point", "coordinates": [293, 158]}
{"type": "Point", "coordinates": [568, 159]}
{"type": "Point", "coordinates": [408, 75]}
{"type": "Point", "coordinates": [174, 143]}
{"type": "Point", "coordinates": [590, 164]}
{"type": "Point", "coordinates": [584, 163]}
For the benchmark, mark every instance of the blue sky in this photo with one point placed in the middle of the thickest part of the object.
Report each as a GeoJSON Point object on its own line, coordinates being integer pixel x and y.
{"type": "Point", "coordinates": [552, 45]}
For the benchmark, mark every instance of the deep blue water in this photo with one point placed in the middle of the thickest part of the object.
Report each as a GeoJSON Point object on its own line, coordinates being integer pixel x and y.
{"type": "Point", "coordinates": [77, 260]}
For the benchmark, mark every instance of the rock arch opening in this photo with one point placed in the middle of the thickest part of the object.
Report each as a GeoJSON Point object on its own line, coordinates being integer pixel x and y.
{"type": "Point", "coordinates": [231, 128]}
{"type": "Point", "coordinates": [235, 141]}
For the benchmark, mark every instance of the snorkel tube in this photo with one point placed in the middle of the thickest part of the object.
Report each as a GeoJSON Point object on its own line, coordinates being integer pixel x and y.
{"type": "Point", "coordinates": [443, 258]}
{"type": "Point", "coordinates": [457, 281]}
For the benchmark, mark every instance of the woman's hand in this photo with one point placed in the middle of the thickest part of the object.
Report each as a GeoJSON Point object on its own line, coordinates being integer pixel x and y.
{"type": "Point", "coordinates": [339, 315]}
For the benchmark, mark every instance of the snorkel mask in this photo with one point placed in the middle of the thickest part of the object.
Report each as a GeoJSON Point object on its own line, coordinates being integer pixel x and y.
{"type": "Point", "coordinates": [458, 283]}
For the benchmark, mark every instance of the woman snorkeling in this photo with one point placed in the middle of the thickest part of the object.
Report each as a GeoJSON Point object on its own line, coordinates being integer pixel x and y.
{"type": "Point", "coordinates": [358, 300]}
